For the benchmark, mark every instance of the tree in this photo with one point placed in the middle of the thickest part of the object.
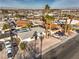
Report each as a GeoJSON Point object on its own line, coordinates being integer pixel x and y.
{"type": "Point", "coordinates": [23, 48]}
{"type": "Point", "coordinates": [17, 40]}
{"type": "Point", "coordinates": [65, 28]}
{"type": "Point", "coordinates": [65, 25]}
{"type": "Point", "coordinates": [20, 16]}
{"type": "Point", "coordinates": [1, 47]}
{"type": "Point", "coordinates": [68, 26]}
{"type": "Point", "coordinates": [5, 12]}
{"type": "Point", "coordinates": [46, 18]}
{"type": "Point", "coordinates": [6, 26]}
{"type": "Point", "coordinates": [71, 18]}
{"type": "Point", "coordinates": [29, 25]}
{"type": "Point", "coordinates": [49, 20]}
{"type": "Point", "coordinates": [47, 8]}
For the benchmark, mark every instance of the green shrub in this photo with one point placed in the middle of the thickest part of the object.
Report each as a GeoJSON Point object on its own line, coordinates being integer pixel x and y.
{"type": "Point", "coordinates": [6, 26]}
{"type": "Point", "coordinates": [22, 46]}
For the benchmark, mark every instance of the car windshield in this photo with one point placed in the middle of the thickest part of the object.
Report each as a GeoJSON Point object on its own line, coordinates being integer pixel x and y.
{"type": "Point", "coordinates": [7, 43]}
{"type": "Point", "coordinates": [8, 46]}
{"type": "Point", "coordinates": [9, 55]}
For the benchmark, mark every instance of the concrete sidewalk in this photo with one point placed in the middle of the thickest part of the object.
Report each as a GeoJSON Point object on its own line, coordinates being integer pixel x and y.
{"type": "Point", "coordinates": [3, 54]}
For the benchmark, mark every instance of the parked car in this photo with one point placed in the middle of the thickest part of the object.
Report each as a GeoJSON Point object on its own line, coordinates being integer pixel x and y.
{"type": "Point", "coordinates": [9, 54]}
{"type": "Point", "coordinates": [9, 50]}
{"type": "Point", "coordinates": [60, 33]}
{"type": "Point", "coordinates": [7, 44]}
{"type": "Point", "coordinates": [56, 35]}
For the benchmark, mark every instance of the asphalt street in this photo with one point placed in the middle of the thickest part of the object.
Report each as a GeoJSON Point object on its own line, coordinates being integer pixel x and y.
{"type": "Point", "coordinates": [73, 54]}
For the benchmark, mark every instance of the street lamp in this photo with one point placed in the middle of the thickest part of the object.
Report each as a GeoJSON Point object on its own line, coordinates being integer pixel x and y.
{"type": "Point", "coordinates": [41, 40]}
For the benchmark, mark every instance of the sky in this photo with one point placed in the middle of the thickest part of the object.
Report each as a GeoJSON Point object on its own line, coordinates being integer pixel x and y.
{"type": "Point", "coordinates": [39, 3]}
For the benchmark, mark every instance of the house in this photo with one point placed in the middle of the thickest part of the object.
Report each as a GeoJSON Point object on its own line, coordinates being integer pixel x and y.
{"type": "Point", "coordinates": [26, 36]}
{"type": "Point", "coordinates": [52, 26]}
{"type": "Point", "coordinates": [21, 23]}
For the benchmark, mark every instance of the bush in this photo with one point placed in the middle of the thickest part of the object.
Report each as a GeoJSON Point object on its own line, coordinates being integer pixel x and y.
{"type": "Point", "coordinates": [1, 46]}
{"type": "Point", "coordinates": [22, 46]}
{"type": "Point", "coordinates": [6, 26]}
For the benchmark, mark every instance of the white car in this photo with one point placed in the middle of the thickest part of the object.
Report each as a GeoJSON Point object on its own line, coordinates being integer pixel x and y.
{"type": "Point", "coordinates": [7, 44]}
{"type": "Point", "coordinates": [10, 56]}
{"type": "Point", "coordinates": [57, 36]}
{"type": "Point", "coordinates": [9, 51]}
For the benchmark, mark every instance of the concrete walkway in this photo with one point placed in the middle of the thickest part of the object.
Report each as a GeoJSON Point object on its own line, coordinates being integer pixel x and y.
{"type": "Point", "coordinates": [50, 42]}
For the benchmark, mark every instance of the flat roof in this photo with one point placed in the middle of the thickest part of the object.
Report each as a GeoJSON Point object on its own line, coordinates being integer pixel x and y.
{"type": "Point", "coordinates": [29, 34]}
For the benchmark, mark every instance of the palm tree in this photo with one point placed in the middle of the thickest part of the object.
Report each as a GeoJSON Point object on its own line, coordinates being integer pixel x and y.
{"type": "Point", "coordinates": [49, 20]}
{"type": "Point", "coordinates": [65, 25]}
{"type": "Point", "coordinates": [5, 12]}
{"type": "Point", "coordinates": [71, 18]}
{"type": "Point", "coordinates": [44, 17]}
{"type": "Point", "coordinates": [47, 8]}
{"type": "Point", "coordinates": [29, 25]}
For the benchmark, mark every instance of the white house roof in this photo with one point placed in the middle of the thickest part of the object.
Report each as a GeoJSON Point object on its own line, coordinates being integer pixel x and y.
{"type": "Point", "coordinates": [50, 14]}
{"type": "Point", "coordinates": [28, 40]}
{"type": "Point", "coordinates": [68, 21]}
{"type": "Point", "coordinates": [75, 21]}
{"type": "Point", "coordinates": [29, 34]}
